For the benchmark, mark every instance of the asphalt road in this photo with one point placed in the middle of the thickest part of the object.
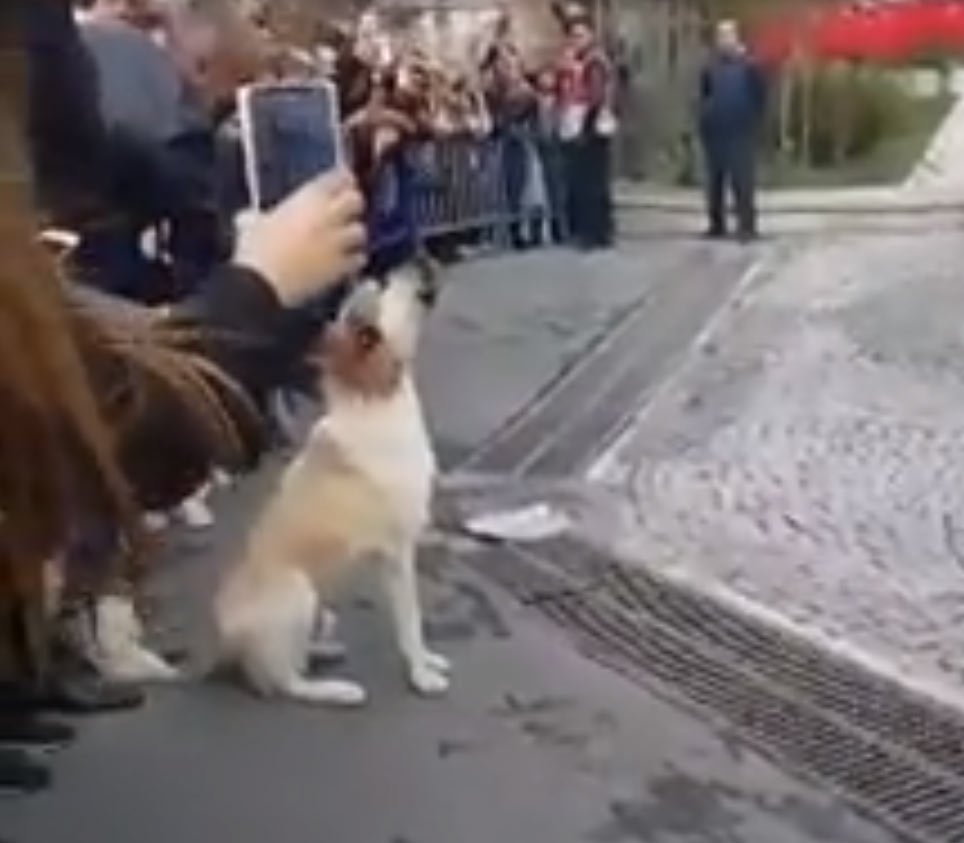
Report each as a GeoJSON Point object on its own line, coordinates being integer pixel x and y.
{"type": "Point", "coordinates": [534, 744]}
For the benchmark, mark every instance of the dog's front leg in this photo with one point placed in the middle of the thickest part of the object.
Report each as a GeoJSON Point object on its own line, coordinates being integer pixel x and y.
{"type": "Point", "coordinates": [427, 671]}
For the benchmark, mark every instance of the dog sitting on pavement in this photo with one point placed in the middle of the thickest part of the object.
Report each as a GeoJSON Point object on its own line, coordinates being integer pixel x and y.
{"type": "Point", "coordinates": [359, 490]}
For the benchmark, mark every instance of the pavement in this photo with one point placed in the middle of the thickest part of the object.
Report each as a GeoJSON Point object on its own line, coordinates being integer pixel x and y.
{"type": "Point", "coordinates": [508, 325]}
{"type": "Point", "coordinates": [536, 743]}
{"type": "Point", "coordinates": [804, 465]}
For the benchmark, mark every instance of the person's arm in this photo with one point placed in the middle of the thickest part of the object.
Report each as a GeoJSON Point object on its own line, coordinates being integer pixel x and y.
{"type": "Point", "coordinates": [181, 389]}
{"type": "Point", "coordinates": [758, 90]}
{"type": "Point", "coordinates": [231, 342]}
{"type": "Point", "coordinates": [706, 86]}
{"type": "Point", "coordinates": [598, 82]}
{"type": "Point", "coordinates": [68, 139]}
{"type": "Point", "coordinates": [184, 389]}
{"type": "Point", "coordinates": [238, 321]}
{"type": "Point", "coordinates": [704, 98]}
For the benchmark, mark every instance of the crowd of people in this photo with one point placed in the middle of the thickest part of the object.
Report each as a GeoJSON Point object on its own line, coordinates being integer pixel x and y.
{"type": "Point", "coordinates": [549, 124]}
{"type": "Point", "coordinates": [146, 330]}
{"type": "Point", "coordinates": [167, 75]}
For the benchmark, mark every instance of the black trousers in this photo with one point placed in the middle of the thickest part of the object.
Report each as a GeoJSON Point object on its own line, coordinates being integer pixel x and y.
{"type": "Point", "coordinates": [515, 166]}
{"type": "Point", "coordinates": [731, 168]}
{"type": "Point", "coordinates": [589, 190]}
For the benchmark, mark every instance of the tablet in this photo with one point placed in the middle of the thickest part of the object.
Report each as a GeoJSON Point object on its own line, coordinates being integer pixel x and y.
{"type": "Point", "coordinates": [290, 132]}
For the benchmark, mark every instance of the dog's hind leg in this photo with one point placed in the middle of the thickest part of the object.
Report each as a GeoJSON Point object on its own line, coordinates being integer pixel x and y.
{"type": "Point", "coordinates": [274, 653]}
{"type": "Point", "coordinates": [427, 671]}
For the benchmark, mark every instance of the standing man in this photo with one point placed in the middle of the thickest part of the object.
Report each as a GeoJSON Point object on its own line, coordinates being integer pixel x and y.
{"type": "Point", "coordinates": [732, 103]}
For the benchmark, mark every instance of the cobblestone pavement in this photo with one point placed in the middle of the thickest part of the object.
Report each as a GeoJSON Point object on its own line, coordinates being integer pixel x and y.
{"type": "Point", "coordinates": [808, 459]}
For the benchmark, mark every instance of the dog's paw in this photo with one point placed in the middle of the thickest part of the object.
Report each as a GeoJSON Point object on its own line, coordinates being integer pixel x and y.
{"type": "Point", "coordinates": [438, 663]}
{"type": "Point", "coordinates": [338, 693]}
{"type": "Point", "coordinates": [196, 514]}
{"type": "Point", "coordinates": [138, 665]}
{"type": "Point", "coordinates": [428, 681]}
{"type": "Point", "coordinates": [341, 693]}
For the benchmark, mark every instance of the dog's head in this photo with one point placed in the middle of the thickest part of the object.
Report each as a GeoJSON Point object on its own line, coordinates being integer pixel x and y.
{"type": "Point", "coordinates": [373, 343]}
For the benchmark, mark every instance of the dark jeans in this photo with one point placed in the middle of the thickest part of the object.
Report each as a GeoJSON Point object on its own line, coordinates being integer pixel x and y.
{"type": "Point", "coordinates": [731, 167]}
{"type": "Point", "coordinates": [554, 166]}
{"type": "Point", "coordinates": [515, 167]}
{"type": "Point", "coordinates": [588, 181]}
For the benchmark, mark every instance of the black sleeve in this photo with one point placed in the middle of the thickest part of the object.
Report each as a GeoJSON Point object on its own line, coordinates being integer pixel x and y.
{"type": "Point", "coordinates": [758, 89]}
{"type": "Point", "coordinates": [67, 137]}
{"type": "Point", "coordinates": [166, 447]}
{"type": "Point", "coordinates": [241, 326]}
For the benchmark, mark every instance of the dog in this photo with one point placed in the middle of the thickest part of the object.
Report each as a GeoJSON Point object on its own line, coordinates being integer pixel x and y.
{"type": "Point", "coordinates": [359, 490]}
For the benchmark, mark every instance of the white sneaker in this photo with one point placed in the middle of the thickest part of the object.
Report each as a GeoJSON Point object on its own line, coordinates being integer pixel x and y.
{"type": "Point", "coordinates": [221, 479]}
{"type": "Point", "coordinates": [155, 522]}
{"type": "Point", "coordinates": [196, 514]}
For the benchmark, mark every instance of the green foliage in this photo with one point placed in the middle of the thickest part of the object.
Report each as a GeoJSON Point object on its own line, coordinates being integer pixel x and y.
{"type": "Point", "coordinates": [840, 112]}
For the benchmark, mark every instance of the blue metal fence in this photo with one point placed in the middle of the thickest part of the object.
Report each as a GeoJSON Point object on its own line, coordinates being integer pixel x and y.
{"type": "Point", "coordinates": [460, 185]}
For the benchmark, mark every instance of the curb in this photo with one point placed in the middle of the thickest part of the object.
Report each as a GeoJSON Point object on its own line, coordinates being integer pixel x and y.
{"type": "Point", "coordinates": [772, 204]}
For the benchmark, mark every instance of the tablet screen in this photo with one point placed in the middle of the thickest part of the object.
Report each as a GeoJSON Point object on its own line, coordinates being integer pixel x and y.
{"type": "Point", "coordinates": [291, 134]}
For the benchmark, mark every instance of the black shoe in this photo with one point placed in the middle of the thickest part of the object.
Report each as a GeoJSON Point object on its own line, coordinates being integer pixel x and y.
{"type": "Point", "coordinates": [84, 692]}
{"type": "Point", "coordinates": [31, 731]}
{"type": "Point", "coordinates": [714, 234]}
{"type": "Point", "coordinates": [746, 237]}
{"type": "Point", "coordinates": [72, 684]}
{"type": "Point", "coordinates": [20, 773]}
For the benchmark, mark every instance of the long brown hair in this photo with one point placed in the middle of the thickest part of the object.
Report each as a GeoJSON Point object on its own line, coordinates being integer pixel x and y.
{"type": "Point", "coordinates": [59, 442]}
{"type": "Point", "coordinates": [50, 428]}
{"type": "Point", "coordinates": [54, 446]}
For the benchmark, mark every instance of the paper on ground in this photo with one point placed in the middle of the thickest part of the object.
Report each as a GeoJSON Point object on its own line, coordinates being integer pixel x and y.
{"type": "Point", "coordinates": [530, 524]}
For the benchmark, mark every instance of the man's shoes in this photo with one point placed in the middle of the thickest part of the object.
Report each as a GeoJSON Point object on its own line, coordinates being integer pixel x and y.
{"type": "Point", "coordinates": [21, 774]}
{"type": "Point", "coordinates": [74, 692]}
{"type": "Point", "coordinates": [714, 234]}
{"type": "Point", "coordinates": [72, 684]}
{"type": "Point", "coordinates": [26, 730]}
{"type": "Point", "coordinates": [747, 237]}
{"type": "Point", "coordinates": [85, 692]}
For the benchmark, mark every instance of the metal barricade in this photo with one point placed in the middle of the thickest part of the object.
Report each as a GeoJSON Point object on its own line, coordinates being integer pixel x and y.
{"type": "Point", "coordinates": [456, 186]}
{"type": "Point", "coordinates": [460, 186]}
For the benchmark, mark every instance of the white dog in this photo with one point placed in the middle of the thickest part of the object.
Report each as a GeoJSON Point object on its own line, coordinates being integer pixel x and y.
{"type": "Point", "coordinates": [360, 489]}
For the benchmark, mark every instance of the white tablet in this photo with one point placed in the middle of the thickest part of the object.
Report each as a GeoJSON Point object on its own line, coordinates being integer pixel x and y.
{"type": "Point", "coordinates": [291, 132]}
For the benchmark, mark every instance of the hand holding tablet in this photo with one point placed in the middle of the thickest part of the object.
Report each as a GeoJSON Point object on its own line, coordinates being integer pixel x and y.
{"type": "Point", "coordinates": [305, 233]}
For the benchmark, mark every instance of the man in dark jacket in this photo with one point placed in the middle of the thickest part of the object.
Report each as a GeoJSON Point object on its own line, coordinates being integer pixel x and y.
{"type": "Point", "coordinates": [732, 102]}
{"type": "Point", "coordinates": [162, 154]}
